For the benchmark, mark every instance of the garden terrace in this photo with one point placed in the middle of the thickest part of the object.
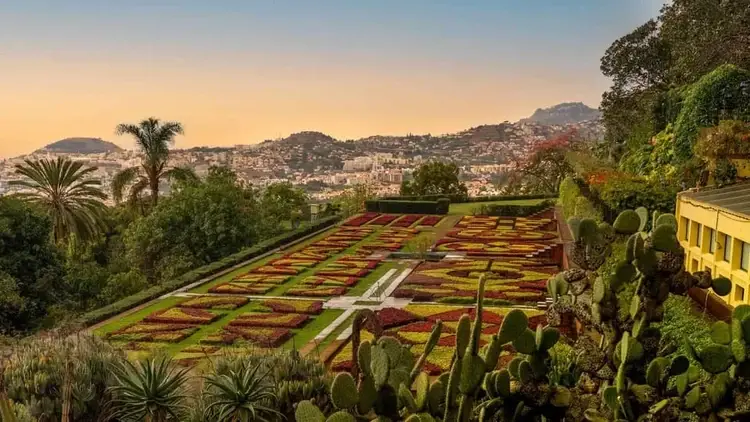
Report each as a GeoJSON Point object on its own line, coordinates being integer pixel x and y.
{"type": "Point", "coordinates": [305, 296]}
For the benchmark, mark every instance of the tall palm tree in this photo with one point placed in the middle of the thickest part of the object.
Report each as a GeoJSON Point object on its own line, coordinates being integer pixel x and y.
{"type": "Point", "coordinates": [64, 188]}
{"type": "Point", "coordinates": [153, 138]}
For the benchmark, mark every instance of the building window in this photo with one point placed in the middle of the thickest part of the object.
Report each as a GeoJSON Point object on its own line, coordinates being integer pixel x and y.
{"type": "Point", "coordinates": [711, 240]}
{"type": "Point", "coordinates": [745, 257]}
{"type": "Point", "coordinates": [698, 235]}
{"type": "Point", "coordinates": [685, 224]}
{"type": "Point", "coordinates": [727, 247]}
{"type": "Point", "coordinates": [739, 294]}
{"type": "Point", "coordinates": [694, 266]}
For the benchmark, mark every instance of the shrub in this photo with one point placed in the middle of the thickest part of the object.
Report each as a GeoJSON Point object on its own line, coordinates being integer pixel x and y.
{"type": "Point", "coordinates": [629, 192]}
{"type": "Point", "coordinates": [409, 207]}
{"type": "Point", "coordinates": [720, 95]}
{"type": "Point", "coordinates": [460, 199]}
{"type": "Point", "coordinates": [200, 273]}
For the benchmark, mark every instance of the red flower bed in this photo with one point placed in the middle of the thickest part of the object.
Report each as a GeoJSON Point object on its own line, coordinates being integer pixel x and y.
{"type": "Point", "coordinates": [392, 317]}
{"type": "Point", "coordinates": [423, 327]}
{"type": "Point", "coordinates": [263, 337]}
{"type": "Point", "coordinates": [270, 269]}
{"type": "Point", "coordinates": [270, 319]}
{"type": "Point", "coordinates": [319, 291]}
{"type": "Point", "coordinates": [214, 302]}
{"type": "Point", "coordinates": [241, 288]}
{"type": "Point", "coordinates": [407, 220]}
{"type": "Point", "coordinates": [384, 220]}
{"type": "Point", "coordinates": [182, 316]}
{"type": "Point", "coordinates": [361, 219]}
{"type": "Point", "coordinates": [311, 307]}
{"type": "Point", "coordinates": [331, 280]}
{"type": "Point", "coordinates": [431, 220]}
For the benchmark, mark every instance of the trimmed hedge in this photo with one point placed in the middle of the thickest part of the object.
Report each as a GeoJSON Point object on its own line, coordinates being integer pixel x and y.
{"type": "Point", "coordinates": [387, 206]}
{"type": "Point", "coordinates": [153, 292]}
{"type": "Point", "coordinates": [460, 199]}
{"type": "Point", "coordinates": [509, 210]}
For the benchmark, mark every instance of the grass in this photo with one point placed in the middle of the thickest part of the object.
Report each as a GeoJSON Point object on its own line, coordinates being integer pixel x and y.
{"type": "Point", "coordinates": [303, 335]}
{"type": "Point", "coordinates": [467, 207]}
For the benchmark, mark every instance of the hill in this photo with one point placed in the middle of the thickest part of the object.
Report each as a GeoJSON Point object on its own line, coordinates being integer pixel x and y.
{"type": "Point", "coordinates": [565, 113]}
{"type": "Point", "coordinates": [81, 146]}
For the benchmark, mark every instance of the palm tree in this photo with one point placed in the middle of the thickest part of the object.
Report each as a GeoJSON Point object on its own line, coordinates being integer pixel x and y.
{"type": "Point", "coordinates": [153, 138]}
{"type": "Point", "coordinates": [64, 188]}
{"type": "Point", "coordinates": [150, 391]}
{"type": "Point", "coordinates": [241, 394]}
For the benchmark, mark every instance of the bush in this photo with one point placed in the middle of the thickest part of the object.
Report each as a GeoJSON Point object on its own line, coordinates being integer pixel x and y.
{"type": "Point", "coordinates": [719, 95]}
{"type": "Point", "coordinates": [509, 210]}
{"type": "Point", "coordinates": [574, 203]}
{"type": "Point", "coordinates": [629, 192]}
{"type": "Point", "coordinates": [200, 273]}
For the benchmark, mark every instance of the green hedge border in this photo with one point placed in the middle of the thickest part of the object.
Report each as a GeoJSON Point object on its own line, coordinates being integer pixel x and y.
{"type": "Point", "coordinates": [197, 274]}
{"type": "Point", "coordinates": [460, 199]}
{"type": "Point", "coordinates": [390, 206]}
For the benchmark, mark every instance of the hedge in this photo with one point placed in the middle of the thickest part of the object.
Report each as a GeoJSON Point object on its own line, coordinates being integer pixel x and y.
{"type": "Point", "coordinates": [510, 210]}
{"type": "Point", "coordinates": [197, 274]}
{"type": "Point", "coordinates": [459, 199]}
{"type": "Point", "coordinates": [388, 206]}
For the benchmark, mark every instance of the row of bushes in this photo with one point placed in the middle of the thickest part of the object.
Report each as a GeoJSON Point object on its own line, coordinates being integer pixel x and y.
{"type": "Point", "coordinates": [197, 274]}
{"type": "Point", "coordinates": [509, 210]}
{"type": "Point", "coordinates": [441, 206]}
{"type": "Point", "coordinates": [459, 199]}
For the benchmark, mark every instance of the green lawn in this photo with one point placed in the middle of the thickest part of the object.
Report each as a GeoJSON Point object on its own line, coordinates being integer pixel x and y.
{"type": "Point", "coordinates": [467, 207]}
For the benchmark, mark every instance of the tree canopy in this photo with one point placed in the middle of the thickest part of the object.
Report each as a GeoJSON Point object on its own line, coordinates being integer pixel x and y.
{"type": "Point", "coordinates": [434, 178]}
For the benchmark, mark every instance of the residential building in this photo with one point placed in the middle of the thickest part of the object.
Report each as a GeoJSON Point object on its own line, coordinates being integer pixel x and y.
{"type": "Point", "coordinates": [714, 230]}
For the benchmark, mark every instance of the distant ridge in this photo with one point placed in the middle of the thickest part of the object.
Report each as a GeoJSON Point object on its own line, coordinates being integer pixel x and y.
{"type": "Point", "coordinates": [562, 114]}
{"type": "Point", "coordinates": [81, 146]}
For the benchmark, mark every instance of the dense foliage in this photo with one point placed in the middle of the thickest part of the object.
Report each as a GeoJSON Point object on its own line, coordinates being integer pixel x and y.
{"type": "Point", "coordinates": [435, 177]}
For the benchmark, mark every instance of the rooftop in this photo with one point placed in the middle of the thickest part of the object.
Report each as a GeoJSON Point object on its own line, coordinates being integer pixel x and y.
{"type": "Point", "coordinates": [734, 198]}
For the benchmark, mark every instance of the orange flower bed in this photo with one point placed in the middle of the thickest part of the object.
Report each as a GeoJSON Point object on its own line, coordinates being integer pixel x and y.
{"type": "Point", "coordinates": [311, 307]}
{"type": "Point", "coordinates": [233, 288]}
{"type": "Point", "coordinates": [270, 319]}
{"type": "Point", "coordinates": [178, 315]}
{"type": "Point", "coordinates": [214, 302]}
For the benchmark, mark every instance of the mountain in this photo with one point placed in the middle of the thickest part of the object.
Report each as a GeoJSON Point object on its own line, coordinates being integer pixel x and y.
{"type": "Point", "coordinates": [81, 146]}
{"type": "Point", "coordinates": [565, 113]}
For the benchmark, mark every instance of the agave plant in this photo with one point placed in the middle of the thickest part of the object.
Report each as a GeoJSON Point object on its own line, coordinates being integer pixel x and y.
{"type": "Point", "coordinates": [242, 393]}
{"type": "Point", "coordinates": [151, 390]}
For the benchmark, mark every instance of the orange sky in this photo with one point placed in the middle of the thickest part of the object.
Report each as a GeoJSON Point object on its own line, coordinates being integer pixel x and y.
{"type": "Point", "coordinates": [46, 100]}
{"type": "Point", "coordinates": [240, 72]}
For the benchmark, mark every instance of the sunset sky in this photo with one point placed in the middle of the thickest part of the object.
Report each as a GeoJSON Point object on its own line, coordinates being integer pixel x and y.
{"type": "Point", "coordinates": [241, 71]}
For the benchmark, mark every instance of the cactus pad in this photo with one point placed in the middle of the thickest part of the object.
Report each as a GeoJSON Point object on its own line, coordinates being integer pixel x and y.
{"type": "Point", "coordinates": [525, 373]}
{"type": "Point", "coordinates": [380, 365]}
{"type": "Point", "coordinates": [472, 373]}
{"type": "Point", "coordinates": [721, 285]}
{"type": "Point", "coordinates": [367, 395]}
{"type": "Point", "coordinates": [525, 343]}
{"type": "Point", "coordinates": [664, 239]}
{"type": "Point", "coordinates": [625, 272]}
{"type": "Point", "coordinates": [627, 222]}
{"type": "Point", "coordinates": [692, 398]}
{"type": "Point", "coordinates": [721, 332]}
{"type": "Point", "coordinates": [364, 357]}
{"type": "Point", "coordinates": [655, 371]}
{"type": "Point", "coordinates": [421, 387]}
{"type": "Point", "coordinates": [550, 337]}
{"type": "Point", "coordinates": [513, 366]}
{"type": "Point", "coordinates": [575, 223]}
{"type": "Point", "coordinates": [643, 214]}
{"type": "Point", "coordinates": [341, 416]}
{"type": "Point", "coordinates": [344, 391]}
{"type": "Point", "coordinates": [666, 220]}
{"type": "Point", "coordinates": [680, 364]}
{"type": "Point", "coordinates": [514, 324]}
{"type": "Point", "coordinates": [307, 412]}
{"type": "Point", "coordinates": [716, 358]}
{"type": "Point", "coordinates": [406, 398]}
{"type": "Point", "coordinates": [588, 230]}
{"type": "Point", "coordinates": [609, 397]}
{"type": "Point", "coordinates": [463, 335]}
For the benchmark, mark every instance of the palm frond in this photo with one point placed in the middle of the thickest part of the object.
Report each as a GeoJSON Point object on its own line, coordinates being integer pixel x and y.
{"type": "Point", "coordinates": [121, 180]}
{"type": "Point", "coordinates": [66, 190]}
{"type": "Point", "coordinates": [183, 175]}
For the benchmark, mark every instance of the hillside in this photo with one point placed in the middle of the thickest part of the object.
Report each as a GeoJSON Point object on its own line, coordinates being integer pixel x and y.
{"type": "Point", "coordinates": [565, 113]}
{"type": "Point", "coordinates": [81, 146]}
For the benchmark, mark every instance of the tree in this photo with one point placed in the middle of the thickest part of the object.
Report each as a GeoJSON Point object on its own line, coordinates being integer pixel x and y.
{"type": "Point", "coordinates": [199, 224]}
{"type": "Point", "coordinates": [547, 165]}
{"type": "Point", "coordinates": [153, 138]}
{"type": "Point", "coordinates": [65, 190]}
{"type": "Point", "coordinates": [30, 266]}
{"type": "Point", "coordinates": [352, 200]}
{"type": "Point", "coordinates": [434, 178]}
{"type": "Point", "coordinates": [283, 202]}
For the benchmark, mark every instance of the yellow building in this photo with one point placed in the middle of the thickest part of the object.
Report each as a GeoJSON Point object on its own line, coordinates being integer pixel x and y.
{"type": "Point", "coordinates": [714, 229]}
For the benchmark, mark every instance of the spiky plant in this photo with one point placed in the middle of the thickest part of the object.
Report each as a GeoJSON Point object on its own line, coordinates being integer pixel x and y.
{"type": "Point", "coordinates": [153, 138]}
{"type": "Point", "coordinates": [150, 390]}
{"type": "Point", "coordinates": [66, 190]}
{"type": "Point", "coordinates": [243, 393]}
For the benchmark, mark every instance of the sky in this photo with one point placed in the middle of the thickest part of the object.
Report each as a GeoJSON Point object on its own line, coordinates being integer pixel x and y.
{"type": "Point", "coordinates": [241, 71]}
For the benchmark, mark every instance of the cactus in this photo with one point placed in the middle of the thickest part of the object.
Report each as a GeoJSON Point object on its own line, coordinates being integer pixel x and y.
{"type": "Point", "coordinates": [628, 222]}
